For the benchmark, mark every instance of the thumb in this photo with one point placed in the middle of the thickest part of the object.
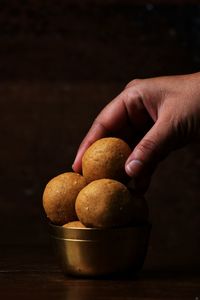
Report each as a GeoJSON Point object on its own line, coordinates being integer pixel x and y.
{"type": "Point", "coordinates": [154, 146]}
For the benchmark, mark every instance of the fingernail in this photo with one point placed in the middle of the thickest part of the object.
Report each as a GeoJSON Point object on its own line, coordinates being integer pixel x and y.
{"type": "Point", "coordinates": [133, 167]}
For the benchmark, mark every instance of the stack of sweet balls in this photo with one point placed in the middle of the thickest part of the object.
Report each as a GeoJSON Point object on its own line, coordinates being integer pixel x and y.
{"type": "Point", "coordinates": [99, 198]}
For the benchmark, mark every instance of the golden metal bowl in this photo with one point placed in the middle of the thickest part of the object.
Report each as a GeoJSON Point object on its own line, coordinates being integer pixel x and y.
{"type": "Point", "coordinates": [96, 252]}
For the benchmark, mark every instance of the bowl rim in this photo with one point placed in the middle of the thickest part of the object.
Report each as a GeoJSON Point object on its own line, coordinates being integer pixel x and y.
{"type": "Point", "coordinates": [136, 225]}
{"type": "Point", "coordinates": [92, 234]}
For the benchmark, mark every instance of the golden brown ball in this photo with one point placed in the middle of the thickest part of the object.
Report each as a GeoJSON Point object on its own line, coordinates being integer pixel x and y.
{"type": "Point", "coordinates": [106, 158]}
{"type": "Point", "coordinates": [74, 224]}
{"type": "Point", "coordinates": [104, 203]}
{"type": "Point", "coordinates": [59, 197]}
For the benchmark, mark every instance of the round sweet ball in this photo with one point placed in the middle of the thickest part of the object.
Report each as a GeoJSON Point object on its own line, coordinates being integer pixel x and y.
{"type": "Point", "coordinates": [106, 158]}
{"type": "Point", "coordinates": [59, 197]}
{"type": "Point", "coordinates": [104, 203]}
{"type": "Point", "coordinates": [74, 224]}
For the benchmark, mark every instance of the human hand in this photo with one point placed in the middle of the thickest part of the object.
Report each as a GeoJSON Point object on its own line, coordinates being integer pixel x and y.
{"type": "Point", "coordinates": [155, 116]}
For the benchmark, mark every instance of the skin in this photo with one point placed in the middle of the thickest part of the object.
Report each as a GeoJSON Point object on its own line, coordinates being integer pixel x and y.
{"type": "Point", "coordinates": [155, 115]}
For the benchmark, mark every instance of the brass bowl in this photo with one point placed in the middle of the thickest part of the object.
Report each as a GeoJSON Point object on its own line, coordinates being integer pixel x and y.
{"type": "Point", "coordinates": [97, 252]}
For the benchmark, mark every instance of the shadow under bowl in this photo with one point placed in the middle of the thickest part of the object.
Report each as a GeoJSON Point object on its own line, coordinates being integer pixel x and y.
{"type": "Point", "coordinates": [100, 252]}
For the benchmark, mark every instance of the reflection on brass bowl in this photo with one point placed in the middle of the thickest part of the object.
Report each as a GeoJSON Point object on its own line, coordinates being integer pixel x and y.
{"type": "Point", "coordinates": [96, 252]}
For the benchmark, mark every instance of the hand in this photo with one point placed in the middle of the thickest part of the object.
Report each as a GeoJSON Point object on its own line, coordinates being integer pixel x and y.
{"type": "Point", "coordinates": [155, 116]}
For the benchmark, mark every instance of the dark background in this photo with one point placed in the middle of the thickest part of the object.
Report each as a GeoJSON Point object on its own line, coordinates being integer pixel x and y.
{"type": "Point", "coordinates": [60, 63]}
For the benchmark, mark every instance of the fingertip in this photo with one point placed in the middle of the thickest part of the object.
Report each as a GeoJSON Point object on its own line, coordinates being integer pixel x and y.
{"type": "Point", "coordinates": [76, 167]}
{"type": "Point", "coordinates": [77, 164]}
{"type": "Point", "coordinates": [96, 132]}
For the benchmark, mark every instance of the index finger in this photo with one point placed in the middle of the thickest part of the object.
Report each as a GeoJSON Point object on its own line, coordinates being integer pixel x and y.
{"type": "Point", "coordinates": [124, 117]}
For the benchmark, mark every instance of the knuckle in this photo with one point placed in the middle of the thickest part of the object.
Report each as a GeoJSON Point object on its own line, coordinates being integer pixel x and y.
{"type": "Point", "coordinates": [147, 146]}
{"type": "Point", "coordinates": [131, 94]}
{"type": "Point", "coordinates": [133, 82]}
{"type": "Point", "coordinates": [127, 96]}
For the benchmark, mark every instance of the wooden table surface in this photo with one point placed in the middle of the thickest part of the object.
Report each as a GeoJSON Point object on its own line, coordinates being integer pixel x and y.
{"type": "Point", "coordinates": [31, 272]}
